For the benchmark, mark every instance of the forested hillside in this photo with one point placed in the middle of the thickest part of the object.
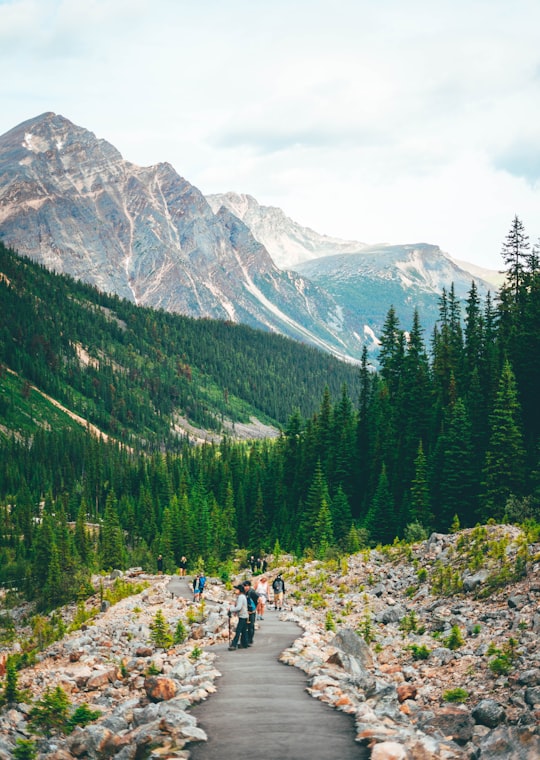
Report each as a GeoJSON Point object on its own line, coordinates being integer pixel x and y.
{"type": "Point", "coordinates": [133, 372]}
{"type": "Point", "coordinates": [445, 434]}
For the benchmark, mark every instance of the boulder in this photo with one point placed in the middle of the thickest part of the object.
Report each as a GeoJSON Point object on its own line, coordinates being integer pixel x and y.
{"type": "Point", "coordinates": [489, 713]}
{"type": "Point", "coordinates": [159, 688]}
{"type": "Point", "coordinates": [351, 643]}
{"type": "Point", "coordinates": [451, 722]}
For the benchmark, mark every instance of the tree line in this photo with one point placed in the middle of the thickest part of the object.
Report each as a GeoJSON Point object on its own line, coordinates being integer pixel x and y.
{"type": "Point", "coordinates": [444, 433]}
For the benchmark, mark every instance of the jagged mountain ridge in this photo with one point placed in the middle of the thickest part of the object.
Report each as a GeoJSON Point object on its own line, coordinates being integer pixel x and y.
{"type": "Point", "coordinates": [364, 279]}
{"type": "Point", "coordinates": [288, 242]}
{"type": "Point", "coordinates": [71, 202]}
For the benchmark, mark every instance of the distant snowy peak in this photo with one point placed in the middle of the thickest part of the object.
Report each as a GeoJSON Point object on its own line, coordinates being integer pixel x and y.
{"type": "Point", "coordinates": [287, 242]}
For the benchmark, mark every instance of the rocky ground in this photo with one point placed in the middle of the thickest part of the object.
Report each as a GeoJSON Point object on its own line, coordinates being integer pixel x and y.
{"type": "Point", "coordinates": [432, 647]}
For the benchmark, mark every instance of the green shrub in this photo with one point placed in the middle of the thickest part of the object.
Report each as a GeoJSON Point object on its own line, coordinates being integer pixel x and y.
{"type": "Point", "coordinates": [180, 633]}
{"type": "Point", "coordinates": [454, 640]}
{"type": "Point", "coordinates": [25, 749]}
{"type": "Point", "coordinates": [419, 652]}
{"type": "Point", "coordinates": [196, 653]}
{"type": "Point", "coordinates": [81, 716]}
{"type": "Point", "coordinates": [330, 624]}
{"type": "Point", "coordinates": [160, 632]}
{"type": "Point", "coordinates": [50, 713]}
{"type": "Point", "coordinates": [456, 695]}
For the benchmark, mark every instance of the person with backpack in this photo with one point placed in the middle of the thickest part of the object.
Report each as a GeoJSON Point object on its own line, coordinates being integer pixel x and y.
{"type": "Point", "coordinates": [252, 598]}
{"type": "Point", "coordinates": [278, 587]}
{"type": "Point", "coordinates": [240, 609]}
{"type": "Point", "coordinates": [202, 584]}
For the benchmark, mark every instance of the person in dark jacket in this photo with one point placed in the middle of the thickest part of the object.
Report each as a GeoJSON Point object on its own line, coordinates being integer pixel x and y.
{"type": "Point", "coordinates": [278, 587]}
{"type": "Point", "coordinates": [252, 597]}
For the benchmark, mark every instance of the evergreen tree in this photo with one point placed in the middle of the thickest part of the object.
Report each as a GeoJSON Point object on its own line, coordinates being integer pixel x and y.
{"type": "Point", "coordinates": [317, 495]}
{"type": "Point", "coordinates": [516, 256]}
{"type": "Point", "coordinates": [504, 468]}
{"type": "Point", "coordinates": [341, 516]}
{"type": "Point", "coordinates": [420, 506]}
{"type": "Point", "coordinates": [459, 491]}
{"type": "Point", "coordinates": [380, 520]}
{"type": "Point", "coordinates": [112, 540]}
{"type": "Point", "coordinates": [322, 536]}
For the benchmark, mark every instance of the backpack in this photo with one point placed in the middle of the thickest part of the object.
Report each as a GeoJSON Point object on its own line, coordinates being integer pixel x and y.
{"type": "Point", "coordinates": [202, 582]}
{"type": "Point", "coordinates": [278, 585]}
{"type": "Point", "coordinates": [251, 604]}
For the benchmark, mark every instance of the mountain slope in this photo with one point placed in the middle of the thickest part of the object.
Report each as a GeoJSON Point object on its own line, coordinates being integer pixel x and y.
{"type": "Point", "coordinates": [141, 375]}
{"type": "Point", "coordinates": [70, 202]}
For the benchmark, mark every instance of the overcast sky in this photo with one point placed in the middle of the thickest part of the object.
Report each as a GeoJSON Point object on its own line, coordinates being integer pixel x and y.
{"type": "Point", "coordinates": [371, 120]}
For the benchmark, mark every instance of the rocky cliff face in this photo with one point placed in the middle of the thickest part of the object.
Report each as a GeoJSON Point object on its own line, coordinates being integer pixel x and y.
{"type": "Point", "coordinates": [71, 202]}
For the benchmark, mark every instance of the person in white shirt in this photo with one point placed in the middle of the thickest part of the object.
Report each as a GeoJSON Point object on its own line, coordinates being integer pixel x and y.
{"type": "Point", "coordinates": [262, 589]}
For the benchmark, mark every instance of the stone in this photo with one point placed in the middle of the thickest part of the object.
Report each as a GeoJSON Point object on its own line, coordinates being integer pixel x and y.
{"type": "Point", "coordinates": [406, 691]}
{"type": "Point", "coordinates": [159, 688]}
{"type": "Point", "coordinates": [452, 722]}
{"type": "Point", "coordinates": [510, 743]}
{"type": "Point", "coordinates": [388, 751]}
{"type": "Point", "coordinates": [489, 713]}
{"type": "Point", "coordinates": [351, 643]}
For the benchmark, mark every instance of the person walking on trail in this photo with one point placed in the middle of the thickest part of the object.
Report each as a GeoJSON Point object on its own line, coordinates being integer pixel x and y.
{"type": "Point", "coordinates": [160, 564]}
{"type": "Point", "coordinates": [240, 609]}
{"type": "Point", "coordinates": [262, 589]}
{"type": "Point", "coordinates": [182, 566]}
{"type": "Point", "coordinates": [252, 600]}
{"type": "Point", "coordinates": [202, 584]}
{"type": "Point", "coordinates": [196, 588]}
{"type": "Point", "coordinates": [278, 586]}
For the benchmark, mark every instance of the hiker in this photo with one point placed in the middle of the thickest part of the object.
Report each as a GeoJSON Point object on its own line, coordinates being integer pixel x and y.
{"type": "Point", "coordinates": [278, 587]}
{"type": "Point", "coordinates": [196, 588]}
{"type": "Point", "coordinates": [264, 565]}
{"type": "Point", "coordinates": [202, 584]}
{"type": "Point", "coordinates": [262, 589]}
{"type": "Point", "coordinates": [160, 564]}
{"type": "Point", "coordinates": [240, 609]}
{"type": "Point", "coordinates": [252, 601]}
{"type": "Point", "coordinates": [182, 566]}
{"type": "Point", "coordinates": [252, 563]}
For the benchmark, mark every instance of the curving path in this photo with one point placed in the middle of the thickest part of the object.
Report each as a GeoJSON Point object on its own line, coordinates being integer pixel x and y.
{"type": "Point", "coordinates": [261, 710]}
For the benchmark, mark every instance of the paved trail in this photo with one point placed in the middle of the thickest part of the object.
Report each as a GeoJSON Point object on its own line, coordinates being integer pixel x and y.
{"type": "Point", "coordinates": [261, 710]}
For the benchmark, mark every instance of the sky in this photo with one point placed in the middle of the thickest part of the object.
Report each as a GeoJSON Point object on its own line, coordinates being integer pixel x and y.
{"type": "Point", "coordinates": [381, 121]}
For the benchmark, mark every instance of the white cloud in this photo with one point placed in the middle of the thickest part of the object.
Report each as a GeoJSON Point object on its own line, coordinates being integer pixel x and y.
{"type": "Point", "coordinates": [373, 121]}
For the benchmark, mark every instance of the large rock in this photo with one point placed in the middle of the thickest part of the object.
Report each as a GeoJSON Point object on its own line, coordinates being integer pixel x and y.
{"type": "Point", "coordinates": [351, 643]}
{"type": "Point", "coordinates": [451, 722]}
{"type": "Point", "coordinates": [159, 688]}
{"type": "Point", "coordinates": [512, 743]}
{"type": "Point", "coordinates": [489, 713]}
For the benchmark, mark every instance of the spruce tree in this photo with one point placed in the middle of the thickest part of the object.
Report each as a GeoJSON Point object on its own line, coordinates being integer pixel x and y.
{"type": "Point", "coordinates": [112, 540]}
{"type": "Point", "coordinates": [504, 468]}
{"type": "Point", "coordinates": [380, 521]}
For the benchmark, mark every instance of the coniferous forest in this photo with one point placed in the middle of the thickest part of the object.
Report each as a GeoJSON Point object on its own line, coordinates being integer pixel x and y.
{"type": "Point", "coordinates": [445, 431]}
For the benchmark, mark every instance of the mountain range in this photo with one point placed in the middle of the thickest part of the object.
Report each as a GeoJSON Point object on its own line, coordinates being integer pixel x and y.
{"type": "Point", "coordinates": [70, 201]}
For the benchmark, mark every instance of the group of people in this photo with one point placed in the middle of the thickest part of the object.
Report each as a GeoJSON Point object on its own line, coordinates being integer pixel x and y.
{"type": "Point", "coordinates": [250, 606]}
